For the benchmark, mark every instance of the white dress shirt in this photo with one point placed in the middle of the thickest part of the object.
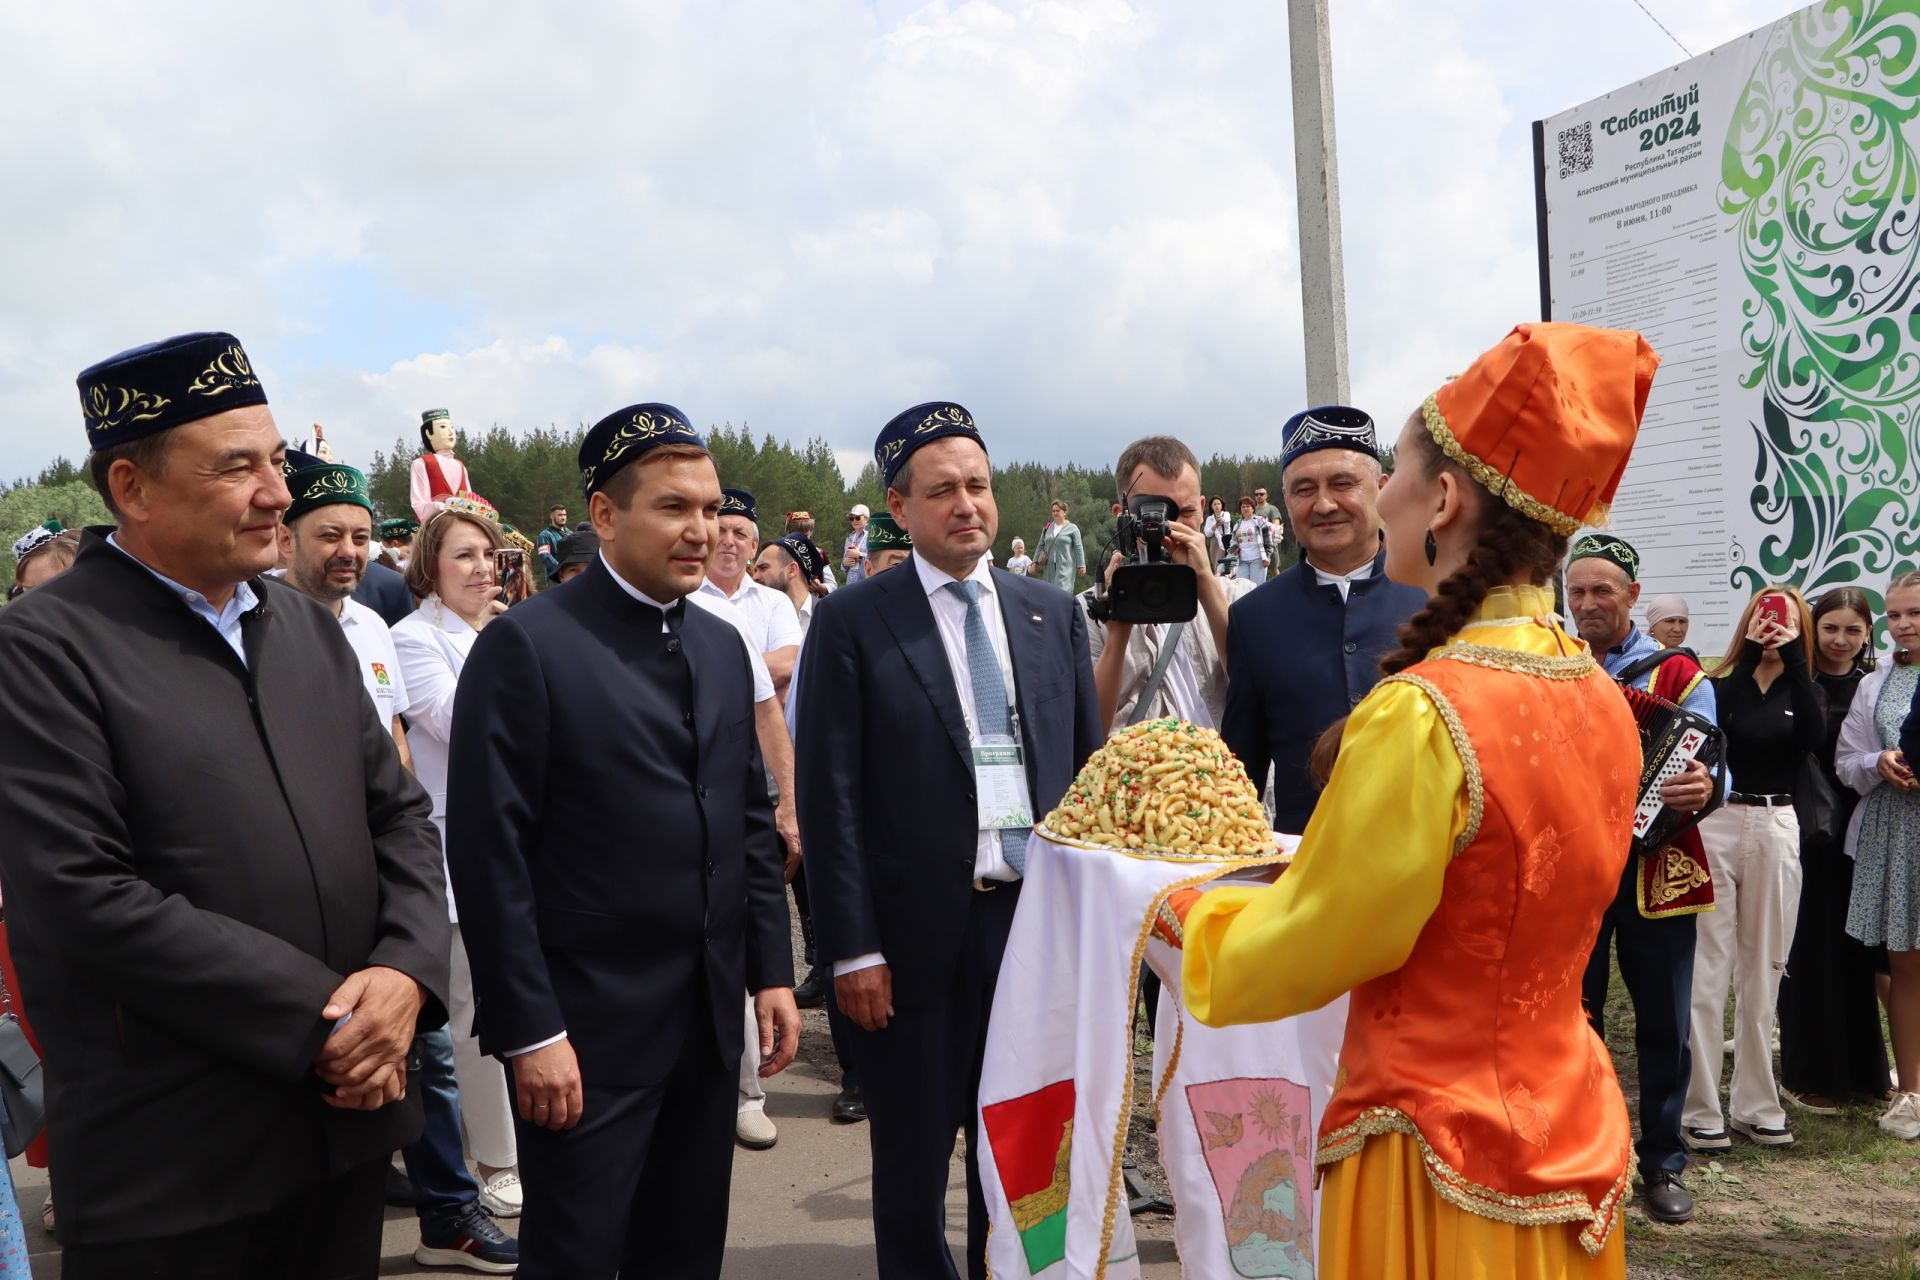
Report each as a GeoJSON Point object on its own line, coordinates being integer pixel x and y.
{"type": "Point", "coordinates": [1344, 581]}
{"type": "Point", "coordinates": [225, 620]}
{"type": "Point", "coordinates": [771, 624]}
{"type": "Point", "coordinates": [950, 619]}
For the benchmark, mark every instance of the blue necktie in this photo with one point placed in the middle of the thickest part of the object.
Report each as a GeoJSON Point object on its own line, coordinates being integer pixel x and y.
{"type": "Point", "coordinates": [992, 707]}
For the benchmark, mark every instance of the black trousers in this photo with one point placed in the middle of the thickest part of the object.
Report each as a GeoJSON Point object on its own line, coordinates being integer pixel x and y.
{"type": "Point", "coordinates": [328, 1232]}
{"type": "Point", "coordinates": [1830, 1039]}
{"type": "Point", "coordinates": [920, 1076]}
{"type": "Point", "coordinates": [639, 1187]}
{"type": "Point", "coordinates": [1656, 960]}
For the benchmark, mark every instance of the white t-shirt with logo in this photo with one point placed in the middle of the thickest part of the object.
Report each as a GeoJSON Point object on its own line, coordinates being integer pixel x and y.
{"type": "Point", "coordinates": [379, 668]}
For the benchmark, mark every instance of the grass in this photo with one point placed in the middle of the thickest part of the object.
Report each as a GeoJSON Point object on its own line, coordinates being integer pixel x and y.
{"type": "Point", "coordinates": [1842, 1203]}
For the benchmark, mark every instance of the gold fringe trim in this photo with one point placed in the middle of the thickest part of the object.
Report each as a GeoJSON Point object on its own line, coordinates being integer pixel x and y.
{"type": "Point", "coordinates": [1572, 667]}
{"type": "Point", "coordinates": [1495, 483]}
{"type": "Point", "coordinates": [1545, 1209]}
{"type": "Point", "coordinates": [1115, 1176]}
{"type": "Point", "coordinates": [1469, 758]}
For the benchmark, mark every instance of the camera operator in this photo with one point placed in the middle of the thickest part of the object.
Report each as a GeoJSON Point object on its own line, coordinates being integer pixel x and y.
{"type": "Point", "coordinates": [1195, 684]}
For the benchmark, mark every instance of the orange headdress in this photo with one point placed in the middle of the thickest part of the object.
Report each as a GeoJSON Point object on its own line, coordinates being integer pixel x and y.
{"type": "Point", "coordinates": [1547, 419]}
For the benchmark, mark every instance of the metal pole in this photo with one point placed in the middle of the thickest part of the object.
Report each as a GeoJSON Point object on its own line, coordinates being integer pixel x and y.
{"type": "Point", "coordinates": [1323, 281]}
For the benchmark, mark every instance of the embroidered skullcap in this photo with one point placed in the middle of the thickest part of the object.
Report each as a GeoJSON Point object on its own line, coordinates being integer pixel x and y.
{"type": "Point", "coordinates": [1614, 550]}
{"type": "Point", "coordinates": [885, 534]}
{"type": "Point", "coordinates": [314, 483]}
{"type": "Point", "coordinates": [812, 561]}
{"type": "Point", "coordinates": [918, 426]}
{"type": "Point", "coordinates": [396, 527]}
{"type": "Point", "coordinates": [738, 502]}
{"type": "Point", "coordinates": [627, 435]}
{"type": "Point", "coordinates": [1331, 426]}
{"type": "Point", "coordinates": [35, 538]}
{"type": "Point", "coordinates": [165, 384]}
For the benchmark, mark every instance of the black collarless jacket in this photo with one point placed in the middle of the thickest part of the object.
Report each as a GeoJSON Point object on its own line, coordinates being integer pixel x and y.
{"type": "Point", "coordinates": [196, 852]}
{"type": "Point", "coordinates": [609, 834]}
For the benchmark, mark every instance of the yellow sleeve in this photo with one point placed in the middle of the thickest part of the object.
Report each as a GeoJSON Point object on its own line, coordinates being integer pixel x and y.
{"type": "Point", "coordinates": [1367, 876]}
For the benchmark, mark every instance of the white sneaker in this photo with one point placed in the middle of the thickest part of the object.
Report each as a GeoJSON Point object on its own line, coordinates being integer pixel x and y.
{"type": "Point", "coordinates": [500, 1193]}
{"type": "Point", "coordinates": [754, 1130]}
{"type": "Point", "coordinates": [1903, 1117]}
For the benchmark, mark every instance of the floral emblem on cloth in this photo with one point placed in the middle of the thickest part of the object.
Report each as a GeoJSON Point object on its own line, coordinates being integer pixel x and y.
{"type": "Point", "coordinates": [1259, 1151]}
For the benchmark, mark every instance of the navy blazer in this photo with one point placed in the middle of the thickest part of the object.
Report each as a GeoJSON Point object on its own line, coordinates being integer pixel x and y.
{"type": "Point", "coordinates": [617, 877]}
{"type": "Point", "coordinates": [1299, 658]}
{"type": "Point", "coordinates": [385, 592]}
{"type": "Point", "coordinates": [884, 766]}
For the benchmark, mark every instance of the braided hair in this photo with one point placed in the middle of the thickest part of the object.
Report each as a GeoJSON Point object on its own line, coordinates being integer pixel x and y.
{"type": "Point", "coordinates": [1508, 545]}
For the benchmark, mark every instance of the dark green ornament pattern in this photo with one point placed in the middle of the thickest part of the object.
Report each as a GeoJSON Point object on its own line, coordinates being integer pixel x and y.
{"type": "Point", "coordinates": [1820, 175]}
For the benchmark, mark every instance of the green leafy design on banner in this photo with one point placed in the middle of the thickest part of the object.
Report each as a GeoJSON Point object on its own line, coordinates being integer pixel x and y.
{"type": "Point", "coordinates": [1821, 178]}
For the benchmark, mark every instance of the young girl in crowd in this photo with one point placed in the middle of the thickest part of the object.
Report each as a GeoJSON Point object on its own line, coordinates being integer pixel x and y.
{"type": "Point", "coordinates": [1884, 839]}
{"type": "Point", "coordinates": [1831, 1047]}
{"type": "Point", "coordinates": [1773, 715]}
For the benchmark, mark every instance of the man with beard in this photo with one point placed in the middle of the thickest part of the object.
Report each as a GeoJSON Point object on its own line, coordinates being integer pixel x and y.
{"type": "Point", "coordinates": [1305, 647]}
{"type": "Point", "coordinates": [325, 538]}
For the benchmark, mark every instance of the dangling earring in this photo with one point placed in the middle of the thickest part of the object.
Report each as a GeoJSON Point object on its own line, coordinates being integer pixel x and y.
{"type": "Point", "coordinates": [1433, 550]}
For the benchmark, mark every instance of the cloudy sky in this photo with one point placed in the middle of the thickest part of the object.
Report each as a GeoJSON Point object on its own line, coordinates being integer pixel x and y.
{"type": "Point", "coordinates": [1074, 216]}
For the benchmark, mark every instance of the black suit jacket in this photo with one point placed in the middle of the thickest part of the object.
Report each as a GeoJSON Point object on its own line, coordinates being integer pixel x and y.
{"type": "Point", "coordinates": [195, 854]}
{"type": "Point", "coordinates": [884, 768]}
{"type": "Point", "coordinates": [385, 592]}
{"type": "Point", "coordinates": [617, 873]}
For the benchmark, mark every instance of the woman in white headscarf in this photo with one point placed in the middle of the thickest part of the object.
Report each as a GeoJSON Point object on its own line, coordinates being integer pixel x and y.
{"type": "Point", "coordinates": [1667, 621]}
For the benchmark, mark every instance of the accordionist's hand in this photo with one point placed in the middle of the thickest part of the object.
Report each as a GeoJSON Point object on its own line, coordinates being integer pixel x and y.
{"type": "Point", "coordinates": [1688, 791]}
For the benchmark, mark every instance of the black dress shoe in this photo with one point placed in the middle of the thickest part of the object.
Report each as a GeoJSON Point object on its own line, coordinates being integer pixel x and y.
{"type": "Point", "coordinates": [810, 994]}
{"type": "Point", "coordinates": [849, 1107]}
{"type": "Point", "coordinates": [400, 1190]}
{"type": "Point", "coordinates": [1667, 1200]}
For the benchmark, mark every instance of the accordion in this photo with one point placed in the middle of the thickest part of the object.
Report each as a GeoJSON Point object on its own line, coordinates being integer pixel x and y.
{"type": "Point", "coordinates": [1671, 737]}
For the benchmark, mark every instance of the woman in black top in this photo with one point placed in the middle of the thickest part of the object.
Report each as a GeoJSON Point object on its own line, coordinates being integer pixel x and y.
{"type": "Point", "coordinates": [1831, 1046]}
{"type": "Point", "coordinates": [1773, 715]}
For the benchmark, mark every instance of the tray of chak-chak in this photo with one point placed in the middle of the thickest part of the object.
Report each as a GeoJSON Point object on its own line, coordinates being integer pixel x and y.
{"type": "Point", "coordinates": [1165, 790]}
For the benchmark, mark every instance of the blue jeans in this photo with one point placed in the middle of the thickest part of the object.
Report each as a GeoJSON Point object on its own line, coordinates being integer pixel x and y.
{"type": "Point", "coordinates": [437, 1162]}
{"type": "Point", "coordinates": [1252, 570]}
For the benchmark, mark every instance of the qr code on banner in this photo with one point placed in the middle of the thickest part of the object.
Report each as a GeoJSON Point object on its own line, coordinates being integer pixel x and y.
{"type": "Point", "coordinates": [1576, 149]}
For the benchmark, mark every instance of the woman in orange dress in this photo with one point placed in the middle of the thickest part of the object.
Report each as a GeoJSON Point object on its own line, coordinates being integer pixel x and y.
{"type": "Point", "coordinates": [1455, 871]}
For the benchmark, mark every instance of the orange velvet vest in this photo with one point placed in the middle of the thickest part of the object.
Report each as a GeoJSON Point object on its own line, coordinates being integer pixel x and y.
{"type": "Point", "coordinates": [1478, 1045]}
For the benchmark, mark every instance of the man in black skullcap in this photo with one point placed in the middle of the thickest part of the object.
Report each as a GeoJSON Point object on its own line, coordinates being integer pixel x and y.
{"type": "Point", "coordinates": [617, 905]}
{"type": "Point", "coordinates": [914, 887]}
{"type": "Point", "coordinates": [223, 889]}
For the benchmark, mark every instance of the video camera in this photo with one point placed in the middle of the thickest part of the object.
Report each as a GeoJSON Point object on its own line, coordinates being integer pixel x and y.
{"type": "Point", "coordinates": [1149, 587]}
